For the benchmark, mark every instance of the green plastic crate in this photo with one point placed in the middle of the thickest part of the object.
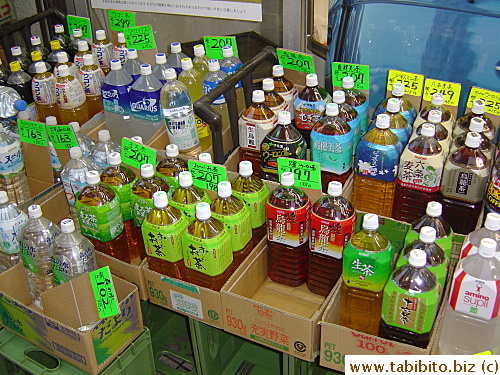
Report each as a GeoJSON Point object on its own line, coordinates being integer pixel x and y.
{"type": "Point", "coordinates": [296, 366]}
{"type": "Point", "coordinates": [27, 358]}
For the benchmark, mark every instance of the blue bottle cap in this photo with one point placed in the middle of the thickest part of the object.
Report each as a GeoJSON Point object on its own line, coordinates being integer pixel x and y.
{"type": "Point", "coordinates": [20, 105]}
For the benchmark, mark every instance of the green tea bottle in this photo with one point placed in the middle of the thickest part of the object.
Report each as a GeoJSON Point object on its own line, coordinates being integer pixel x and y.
{"type": "Point", "coordinates": [169, 168]}
{"type": "Point", "coordinates": [186, 196]}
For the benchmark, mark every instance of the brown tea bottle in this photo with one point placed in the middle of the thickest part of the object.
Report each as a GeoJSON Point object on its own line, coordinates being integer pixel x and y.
{"type": "Point", "coordinates": [169, 168]}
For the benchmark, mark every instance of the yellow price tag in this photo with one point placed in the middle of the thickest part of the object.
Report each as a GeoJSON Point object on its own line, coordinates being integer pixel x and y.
{"type": "Point", "coordinates": [484, 353]}
{"type": "Point", "coordinates": [491, 99]}
{"type": "Point", "coordinates": [414, 83]}
{"type": "Point", "coordinates": [450, 90]}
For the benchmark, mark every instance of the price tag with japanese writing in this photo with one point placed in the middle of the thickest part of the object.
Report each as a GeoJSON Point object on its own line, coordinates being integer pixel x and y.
{"type": "Point", "coordinates": [450, 90]}
{"type": "Point", "coordinates": [140, 37]}
{"type": "Point", "coordinates": [206, 175]}
{"type": "Point", "coordinates": [136, 154]}
{"type": "Point", "coordinates": [301, 62]}
{"type": "Point", "coordinates": [360, 74]}
{"type": "Point", "coordinates": [491, 99]}
{"type": "Point", "coordinates": [32, 132]}
{"type": "Point", "coordinates": [307, 173]}
{"type": "Point", "coordinates": [414, 83]}
{"type": "Point", "coordinates": [119, 20]}
{"type": "Point", "coordinates": [62, 136]}
{"type": "Point", "coordinates": [82, 23]}
{"type": "Point", "coordinates": [104, 292]}
{"type": "Point", "coordinates": [214, 44]}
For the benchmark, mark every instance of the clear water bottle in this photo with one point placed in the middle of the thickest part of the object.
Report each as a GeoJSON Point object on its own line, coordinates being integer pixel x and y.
{"type": "Point", "coordinates": [12, 220]}
{"type": "Point", "coordinates": [103, 148]}
{"type": "Point", "coordinates": [211, 80]}
{"type": "Point", "coordinates": [175, 57]}
{"type": "Point", "coordinates": [230, 63]}
{"type": "Point", "coordinates": [160, 69]}
{"type": "Point", "coordinates": [36, 239]}
{"type": "Point", "coordinates": [72, 254]}
{"type": "Point", "coordinates": [120, 48]}
{"type": "Point", "coordinates": [10, 102]}
{"type": "Point", "coordinates": [85, 142]}
{"type": "Point", "coordinates": [133, 65]}
{"type": "Point", "coordinates": [54, 159]}
{"type": "Point", "coordinates": [21, 82]}
{"type": "Point", "coordinates": [17, 55]}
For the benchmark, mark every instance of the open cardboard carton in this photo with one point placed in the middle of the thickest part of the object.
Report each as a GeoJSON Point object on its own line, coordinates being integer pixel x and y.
{"type": "Point", "coordinates": [65, 308]}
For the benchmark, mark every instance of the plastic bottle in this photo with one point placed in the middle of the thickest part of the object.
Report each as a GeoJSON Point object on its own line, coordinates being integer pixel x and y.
{"type": "Point", "coordinates": [175, 57]}
{"type": "Point", "coordinates": [169, 168]}
{"type": "Point", "coordinates": [85, 142]}
{"type": "Point", "coordinates": [159, 70]}
{"type": "Point", "coordinates": [442, 135]}
{"type": "Point", "coordinates": [235, 215]}
{"type": "Point", "coordinates": [282, 141]}
{"type": "Point", "coordinates": [398, 123]}
{"type": "Point", "coordinates": [357, 100]}
{"type": "Point", "coordinates": [133, 65]}
{"type": "Point", "coordinates": [162, 232]}
{"type": "Point", "coordinates": [485, 144]}
{"type": "Point", "coordinates": [230, 63]}
{"type": "Point", "coordinates": [349, 115]}
{"type": "Point", "coordinates": [200, 61]}
{"type": "Point", "coordinates": [465, 178]}
{"type": "Point", "coordinates": [36, 45]}
{"type": "Point", "coordinates": [411, 300]}
{"type": "Point", "coordinates": [406, 107]}
{"type": "Point", "coordinates": [141, 201]}
{"type": "Point", "coordinates": [272, 99]}
{"type": "Point", "coordinates": [101, 221]}
{"type": "Point", "coordinates": [367, 263]}
{"type": "Point", "coordinates": [333, 220]}
{"type": "Point", "coordinates": [92, 77]}
{"type": "Point", "coordinates": [72, 254]}
{"type": "Point", "coordinates": [437, 103]}
{"type": "Point", "coordinates": [62, 59]}
{"type": "Point", "coordinates": [103, 50]}
{"type": "Point", "coordinates": [35, 240]}
{"type": "Point", "coordinates": [477, 111]}
{"type": "Point", "coordinates": [43, 86]}
{"type": "Point", "coordinates": [59, 35]}
{"type": "Point", "coordinates": [179, 116]}
{"type": "Point", "coordinates": [120, 49]}
{"type": "Point", "coordinates": [432, 218]}
{"type": "Point", "coordinates": [36, 57]}
{"type": "Point", "coordinates": [17, 55]}
{"type": "Point", "coordinates": [54, 158]}
{"type": "Point", "coordinates": [254, 124]}
{"type": "Point", "coordinates": [491, 229]}
{"type": "Point", "coordinates": [103, 148]}
{"type": "Point", "coordinates": [186, 196]}
{"type": "Point", "coordinates": [12, 219]}
{"type": "Point", "coordinates": [10, 105]}
{"type": "Point", "coordinates": [55, 48]}
{"type": "Point", "coordinates": [73, 45]}
{"type": "Point", "coordinates": [83, 49]}
{"type": "Point", "coordinates": [285, 88]}
{"type": "Point", "coordinates": [419, 175]}
{"type": "Point", "coordinates": [288, 215]}
{"type": "Point", "coordinates": [469, 326]}
{"type": "Point", "coordinates": [251, 190]}
{"type": "Point", "coordinates": [71, 98]}
{"type": "Point", "coordinates": [210, 81]}
{"type": "Point", "coordinates": [331, 146]}
{"type": "Point", "coordinates": [21, 82]}
{"type": "Point", "coordinates": [205, 157]}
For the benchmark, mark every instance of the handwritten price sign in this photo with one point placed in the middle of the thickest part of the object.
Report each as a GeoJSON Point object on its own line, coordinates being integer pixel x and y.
{"type": "Point", "coordinates": [82, 23]}
{"type": "Point", "coordinates": [104, 292]}
{"type": "Point", "coordinates": [140, 37]}
{"type": "Point", "coordinates": [62, 136]}
{"type": "Point", "coordinates": [360, 74]}
{"type": "Point", "coordinates": [136, 154]}
{"type": "Point", "coordinates": [490, 98]}
{"type": "Point", "coordinates": [214, 44]}
{"type": "Point", "coordinates": [450, 91]}
{"type": "Point", "coordinates": [307, 173]}
{"type": "Point", "coordinates": [293, 60]}
{"type": "Point", "coordinates": [205, 175]}
{"type": "Point", "coordinates": [32, 132]}
{"type": "Point", "coordinates": [119, 20]}
{"type": "Point", "coordinates": [414, 83]}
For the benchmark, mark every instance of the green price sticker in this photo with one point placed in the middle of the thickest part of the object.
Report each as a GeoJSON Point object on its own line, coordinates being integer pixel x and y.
{"type": "Point", "coordinates": [206, 175]}
{"type": "Point", "coordinates": [307, 173]}
{"type": "Point", "coordinates": [119, 20]}
{"type": "Point", "coordinates": [32, 132]}
{"type": "Point", "coordinates": [214, 44]}
{"type": "Point", "coordinates": [450, 91]}
{"type": "Point", "coordinates": [82, 23]}
{"type": "Point", "coordinates": [359, 73]}
{"type": "Point", "coordinates": [414, 83]}
{"type": "Point", "coordinates": [62, 136]}
{"type": "Point", "coordinates": [136, 154]}
{"type": "Point", "coordinates": [140, 37]}
{"type": "Point", "coordinates": [301, 62]}
{"type": "Point", "coordinates": [490, 98]}
{"type": "Point", "coordinates": [104, 292]}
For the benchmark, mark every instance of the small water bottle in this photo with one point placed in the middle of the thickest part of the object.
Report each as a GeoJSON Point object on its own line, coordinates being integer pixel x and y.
{"type": "Point", "coordinates": [85, 142]}
{"type": "Point", "coordinates": [12, 220]}
{"type": "Point", "coordinates": [175, 57]}
{"type": "Point", "coordinates": [133, 65]}
{"type": "Point", "coordinates": [103, 148]}
{"type": "Point", "coordinates": [161, 67]}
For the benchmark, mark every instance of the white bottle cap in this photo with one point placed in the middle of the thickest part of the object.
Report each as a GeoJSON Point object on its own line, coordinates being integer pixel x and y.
{"type": "Point", "coordinates": [199, 50]}
{"type": "Point", "coordinates": [115, 64]}
{"type": "Point", "coordinates": [347, 82]}
{"type": "Point", "coordinates": [258, 96]}
{"type": "Point", "coordinates": [393, 105]}
{"type": "Point", "coordinates": [213, 65]}
{"type": "Point", "coordinates": [160, 58]}
{"type": "Point", "coordinates": [278, 71]}
{"type": "Point", "coordinates": [476, 125]}
{"type": "Point", "coordinates": [59, 28]}
{"type": "Point", "coordinates": [170, 74]}
{"type": "Point", "coordinates": [487, 248]}
{"type": "Point", "coordinates": [75, 152]}
{"type": "Point", "coordinates": [63, 70]}
{"type": "Point", "coordinates": [175, 47]}
{"type": "Point", "coordinates": [434, 116]}
{"type": "Point", "coordinates": [338, 97]}
{"type": "Point", "coordinates": [88, 59]}
{"type": "Point", "coordinates": [224, 189]}
{"type": "Point", "coordinates": [137, 139]}
{"type": "Point", "coordinates": [186, 63]}
{"type": "Point", "coordinates": [287, 179]}
{"type": "Point", "coordinates": [3, 197]}
{"type": "Point", "coordinates": [428, 130]}
{"type": "Point", "coordinates": [203, 211]}
{"type": "Point", "coordinates": [284, 118]}
{"type": "Point", "coordinates": [34, 211]}
{"type": "Point", "coordinates": [172, 151]}
{"type": "Point", "coordinates": [370, 222]}
{"type": "Point", "coordinates": [427, 234]}
{"type": "Point", "coordinates": [103, 135]}
{"type": "Point", "coordinates": [478, 106]}
{"type": "Point", "coordinates": [492, 221]}
{"type": "Point", "coordinates": [268, 84]}
{"type": "Point", "coordinates": [77, 33]}
{"type": "Point", "coordinates": [227, 51]}
{"type": "Point", "coordinates": [160, 199]}
{"type": "Point", "coordinates": [67, 226]}
{"type": "Point", "coordinates": [62, 57]}
{"type": "Point", "coordinates": [40, 67]}
{"type": "Point", "coordinates": [311, 80]}
{"type": "Point", "coordinates": [472, 140]}
{"type": "Point", "coordinates": [383, 121]}
{"type": "Point", "coordinates": [114, 158]}
{"type": "Point", "coordinates": [82, 45]}
{"type": "Point", "coordinates": [335, 188]}
{"type": "Point", "coordinates": [92, 177]}
{"type": "Point", "coordinates": [145, 69]}
{"type": "Point", "coordinates": [100, 34]}
{"type": "Point", "coordinates": [185, 179]}
{"type": "Point", "coordinates": [434, 209]}
{"type": "Point", "coordinates": [398, 89]}
{"type": "Point", "coordinates": [147, 170]}
{"type": "Point", "coordinates": [437, 98]}
{"type": "Point", "coordinates": [245, 168]}
{"type": "Point", "coordinates": [332, 109]}
{"type": "Point", "coordinates": [131, 54]}
{"type": "Point", "coordinates": [417, 258]}
{"type": "Point", "coordinates": [121, 37]}
{"type": "Point", "coordinates": [16, 51]}
{"type": "Point", "coordinates": [35, 40]}
{"type": "Point", "coordinates": [206, 157]}
{"type": "Point", "coordinates": [51, 120]}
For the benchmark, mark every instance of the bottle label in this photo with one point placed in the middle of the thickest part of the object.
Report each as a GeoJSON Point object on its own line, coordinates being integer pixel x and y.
{"type": "Point", "coordinates": [256, 203]}
{"type": "Point", "coordinates": [363, 117]}
{"type": "Point", "coordinates": [189, 209]}
{"type": "Point", "coordinates": [252, 132]}
{"type": "Point", "coordinates": [116, 99]}
{"type": "Point", "coordinates": [182, 131]}
{"type": "Point", "coordinates": [403, 135]}
{"type": "Point", "coordinates": [70, 94]}
{"type": "Point", "coordinates": [104, 223]}
{"type": "Point", "coordinates": [30, 254]}
{"type": "Point", "coordinates": [211, 256]}
{"type": "Point", "coordinates": [64, 269]}
{"type": "Point", "coordinates": [238, 226]}
{"type": "Point", "coordinates": [120, 53]}
{"type": "Point", "coordinates": [493, 192]}
{"type": "Point", "coordinates": [333, 152]}
{"type": "Point", "coordinates": [281, 107]}
{"type": "Point", "coordinates": [413, 312]}
{"type": "Point", "coordinates": [146, 105]}
{"type": "Point", "coordinates": [9, 232]}
{"type": "Point", "coordinates": [271, 150]}
{"type": "Point", "coordinates": [54, 159]}
{"type": "Point", "coordinates": [230, 70]}
{"type": "Point", "coordinates": [71, 189]}
{"type": "Point", "coordinates": [173, 182]}
{"type": "Point", "coordinates": [11, 160]}
{"type": "Point", "coordinates": [444, 243]}
{"type": "Point", "coordinates": [140, 208]}
{"type": "Point", "coordinates": [124, 193]}
{"type": "Point", "coordinates": [308, 113]}
{"type": "Point", "coordinates": [464, 184]}
{"type": "Point", "coordinates": [329, 237]}
{"type": "Point", "coordinates": [289, 97]}
{"type": "Point", "coordinates": [420, 172]}
{"type": "Point", "coordinates": [91, 81]}
{"type": "Point", "coordinates": [78, 61]}
{"type": "Point", "coordinates": [202, 127]}
{"type": "Point", "coordinates": [377, 161]}
{"type": "Point", "coordinates": [289, 227]}
{"type": "Point", "coordinates": [368, 270]}
{"type": "Point", "coordinates": [164, 241]}
{"type": "Point", "coordinates": [103, 54]}
{"type": "Point", "coordinates": [209, 86]}
{"type": "Point", "coordinates": [44, 90]}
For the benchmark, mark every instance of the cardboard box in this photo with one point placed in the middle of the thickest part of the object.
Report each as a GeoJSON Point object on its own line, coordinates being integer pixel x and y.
{"type": "Point", "coordinates": [67, 307]}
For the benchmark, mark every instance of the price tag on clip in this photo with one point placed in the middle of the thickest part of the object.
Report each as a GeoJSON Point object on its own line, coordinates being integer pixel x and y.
{"type": "Point", "coordinates": [82, 23]}
{"type": "Point", "coordinates": [119, 20]}
{"type": "Point", "coordinates": [491, 100]}
{"type": "Point", "coordinates": [360, 74]}
{"type": "Point", "coordinates": [140, 37]}
{"type": "Point", "coordinates": [206, 175]}
{"type": "Point", "coordinates": [414, 83]}
{"type": "Point", "coordinates": [214, 44]}
{"type": "Point", "coordinates": [301, 62]}
{"type": "Point", "coordinates": [307, 173]}
{"type": "Point", "coordinates": [136, 154]}
{"type": "Point", "coordinates": [32, 132]}
{"type": "Point", "coordinates": [104, 292]}
{"type": "Point", "coordinates": [450, 91]}
{"type": "Point", "coordinates": [62, 136]}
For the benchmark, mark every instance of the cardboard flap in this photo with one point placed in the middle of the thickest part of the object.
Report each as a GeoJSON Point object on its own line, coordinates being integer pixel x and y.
{"type": "Point", "coordinates": [15, 283]}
